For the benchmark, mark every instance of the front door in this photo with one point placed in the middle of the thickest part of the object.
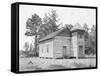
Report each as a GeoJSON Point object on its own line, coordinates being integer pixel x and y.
{"type": "Point", "coordinates": [64, 51]}
{"type": "Point", "coordinates": [80, 53]}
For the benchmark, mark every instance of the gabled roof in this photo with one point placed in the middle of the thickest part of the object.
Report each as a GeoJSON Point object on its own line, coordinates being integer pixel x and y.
{"type": "Point", "coordinates": [52, 35]}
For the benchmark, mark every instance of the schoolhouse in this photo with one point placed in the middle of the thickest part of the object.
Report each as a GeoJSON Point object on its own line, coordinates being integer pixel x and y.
{"type": "Point", "coordinates": [63, 43]}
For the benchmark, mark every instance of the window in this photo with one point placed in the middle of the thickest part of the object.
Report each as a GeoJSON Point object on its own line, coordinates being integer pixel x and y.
{"type": "Point", "coordinates": [47, 48]}
{"type": "Point", "coordinates": [80, 36]}
{"type": "Point", "coordinates": [64, 47]}
{"type": "Point", "coordinates": [64, 51]}
{"type": "Point", "coordinates": [80, 49]}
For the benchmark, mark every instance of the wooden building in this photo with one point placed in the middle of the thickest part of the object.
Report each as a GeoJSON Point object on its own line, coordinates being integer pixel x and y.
{"type": "Point", "coordinates": [63, 43]}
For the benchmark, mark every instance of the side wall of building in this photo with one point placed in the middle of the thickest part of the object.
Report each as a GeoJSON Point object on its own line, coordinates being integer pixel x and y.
{"type": "Point", "coordinates": [46, 49]}
{"type": "Point", "coordinates": [74, 45]}
{"type": "Point", "coordinates": [78, 44]}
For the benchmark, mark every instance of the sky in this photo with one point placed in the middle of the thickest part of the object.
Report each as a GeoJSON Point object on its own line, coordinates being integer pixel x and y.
{"type": "Point", "coordinates": [67, 15]}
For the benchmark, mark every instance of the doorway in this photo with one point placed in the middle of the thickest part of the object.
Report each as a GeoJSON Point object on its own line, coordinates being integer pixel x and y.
{"type": "Point", "coordinates": [80, 53]}
{"type": "Point", "coordinates": [64, 51]}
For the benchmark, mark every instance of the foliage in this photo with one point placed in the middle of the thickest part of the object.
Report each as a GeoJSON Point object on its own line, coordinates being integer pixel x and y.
{"type": "Point", "coordinates": [69, 26]}
{"type": "Point", "coordinates": [26, 46]}
{"type": "Point", "coordinates": [32, 25]}
{"type": "Point", "coordinates": [85, 26]}
{"type": "Point", "coordinates": [31, 47]}
{"type": "Point", "coordinates": [91, 41]}
{"type": "Point", "coordinates": [32, 51]}
{"type": "Point", "coordinates": [50, 23]}
{"type": "Point", "coordinates": [51, 20]}
{"type": "Point", "coordinates": [35, 27]}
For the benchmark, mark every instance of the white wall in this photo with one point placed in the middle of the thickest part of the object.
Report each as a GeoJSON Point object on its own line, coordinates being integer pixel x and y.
{"type": "Point", "coordinates": [5, 41]}
{"type": "Point", "coordinates": [74, 46]}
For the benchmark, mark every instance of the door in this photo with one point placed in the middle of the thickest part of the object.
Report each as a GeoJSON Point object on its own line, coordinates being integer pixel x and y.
{"type": "Point", "coordinates": [64, 51]}
{"type": "Point", "coordinates": [80, 53]}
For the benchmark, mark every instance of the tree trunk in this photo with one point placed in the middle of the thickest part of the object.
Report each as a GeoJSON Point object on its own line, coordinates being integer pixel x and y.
{"type": "Point", "coordinates": [36, 53]}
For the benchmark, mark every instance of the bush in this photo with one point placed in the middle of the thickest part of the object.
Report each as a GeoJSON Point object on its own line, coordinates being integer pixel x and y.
{"type": "Point", "coordinates": [89, 51]}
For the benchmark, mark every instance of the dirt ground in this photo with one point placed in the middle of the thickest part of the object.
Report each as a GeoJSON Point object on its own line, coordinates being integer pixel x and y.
{"type": "Point", "coordinates": [35, 63]}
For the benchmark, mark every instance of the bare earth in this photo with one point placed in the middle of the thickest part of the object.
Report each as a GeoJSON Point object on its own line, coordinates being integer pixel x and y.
{"type": "Point", "coordinates": [31, 64]}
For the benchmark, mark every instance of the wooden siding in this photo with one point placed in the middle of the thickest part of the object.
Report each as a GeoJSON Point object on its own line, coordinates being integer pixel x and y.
{"type": "Point", "coordinates": [81, 42]}
{"type": "Point", "coordinates": [46, 49]}
{"type": "Point", "coordinates": [76, 42]}
{"type": "Point", "coordinates": [59, 42]}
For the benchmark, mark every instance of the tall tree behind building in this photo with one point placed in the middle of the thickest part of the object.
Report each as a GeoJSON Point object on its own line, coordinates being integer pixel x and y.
{"type": "Point", "coordinates": [32, 26]}
{"type": "Point", "coordinates": [90, 39]}
{"type": "Point", "coordinates": [93, 39]}
{"type": "Point", "coordinates": [69, 26]}
{"type": "Point", "coordinates": [86, 28]}
{"type": "Point", "coordinates": [50, 23]}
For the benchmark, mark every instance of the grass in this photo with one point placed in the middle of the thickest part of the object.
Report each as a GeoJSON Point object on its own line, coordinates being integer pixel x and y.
{"type": "Point", "coordinates": [79, 65]}
{"type": "Point", "coordinates": [30, 64]}
{"type": "Point", "coordinates": [56, 67]}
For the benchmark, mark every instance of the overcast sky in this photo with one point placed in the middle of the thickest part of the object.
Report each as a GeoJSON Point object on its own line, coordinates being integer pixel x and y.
{"type": "Point", "coordinates": [67, 16]}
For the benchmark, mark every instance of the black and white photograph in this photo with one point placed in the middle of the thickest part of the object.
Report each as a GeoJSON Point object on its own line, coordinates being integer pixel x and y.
{"type": "Point", "coordinates": [56, 38]}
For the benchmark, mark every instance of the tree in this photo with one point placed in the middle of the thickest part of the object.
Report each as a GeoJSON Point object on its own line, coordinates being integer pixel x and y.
{"type": "Point", "coordinates": [93, 28]}
{"type": "Point", "coordinates": [87, 39]}
{"type": "Point", "coordinates": [32, 25]}
{"type": "Point", "coordinates": [54, 20]}
{"type": "Point", "coordinates": [50, 23]}
{"type": "Point", "coordinates": [26, 46]}
{"type": "Point", "coordinates": [31, 47]}
{"type": "Point", "coordinates": [93, 39]}
{"type": "Point", "coordinates": [46, 19]}
{"type": "Point", "coordinates": [86, 35]}
{"type": "Point", "coordinates": [69, 26]}
{"type": "Point", "coordinates": [85, 26]}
